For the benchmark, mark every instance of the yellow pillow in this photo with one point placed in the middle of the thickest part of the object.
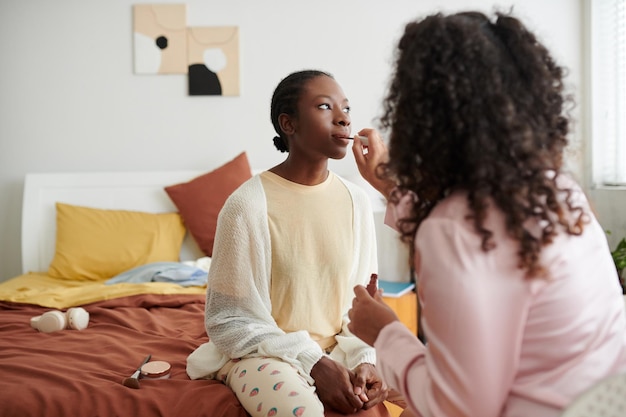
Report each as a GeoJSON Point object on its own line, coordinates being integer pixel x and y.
{"type": "Point", "coordinates": [94, 244]}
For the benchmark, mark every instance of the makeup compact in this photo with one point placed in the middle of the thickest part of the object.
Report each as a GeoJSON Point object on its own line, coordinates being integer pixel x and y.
{"type": "Point", "coordinates": [155, 370]}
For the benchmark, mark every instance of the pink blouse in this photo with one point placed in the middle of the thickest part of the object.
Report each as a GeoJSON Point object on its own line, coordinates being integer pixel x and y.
{"type": "Point", "coordinates": [499, 344]}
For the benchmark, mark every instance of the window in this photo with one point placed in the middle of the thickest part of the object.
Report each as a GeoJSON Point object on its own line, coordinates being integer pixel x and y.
{"type": "Point", "coordinates": [608, 91]}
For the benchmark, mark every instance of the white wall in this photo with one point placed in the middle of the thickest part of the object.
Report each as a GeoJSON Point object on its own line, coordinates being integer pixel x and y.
{"type": "Point", "coordinates": [69, 100]}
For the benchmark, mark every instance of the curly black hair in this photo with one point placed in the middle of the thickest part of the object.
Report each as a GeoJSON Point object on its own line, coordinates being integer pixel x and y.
{"type": "Point", "coordinates": [479, 105]}
{"type": "Point", "coordinates": [285, 100]}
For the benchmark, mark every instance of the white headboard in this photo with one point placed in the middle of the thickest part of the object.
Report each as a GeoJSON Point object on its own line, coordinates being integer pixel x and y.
{"type": "Point", "coordinates": [139, 191]}
{"type": "Point", "coordinates": [143, 191]}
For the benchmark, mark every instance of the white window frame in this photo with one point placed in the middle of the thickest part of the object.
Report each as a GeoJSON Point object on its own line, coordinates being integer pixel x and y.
{"type": "Point", "coordinates": [606, 63]}
{"type": "Point", "coordinates": [608, 198]}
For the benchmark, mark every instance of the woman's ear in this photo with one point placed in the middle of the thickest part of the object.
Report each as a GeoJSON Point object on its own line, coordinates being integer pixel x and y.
{"type": "Point", "coordinates": [286, 124]}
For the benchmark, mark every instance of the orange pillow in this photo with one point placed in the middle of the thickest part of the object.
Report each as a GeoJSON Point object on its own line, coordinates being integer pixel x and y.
{"type": "Point", "coordinates": [200, 200]}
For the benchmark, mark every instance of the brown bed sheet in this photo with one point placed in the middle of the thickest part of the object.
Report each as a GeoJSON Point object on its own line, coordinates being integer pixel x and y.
{"type": "Point", "coordinates": [79, 373]}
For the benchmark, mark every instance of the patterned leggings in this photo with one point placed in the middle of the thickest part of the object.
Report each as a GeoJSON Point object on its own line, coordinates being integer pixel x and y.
{"type": "Point", "coordinates": [269, 387]}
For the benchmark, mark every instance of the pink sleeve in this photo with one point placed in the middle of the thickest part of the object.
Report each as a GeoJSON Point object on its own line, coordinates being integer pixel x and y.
{"type": "Point", "coordinates": [395, 212]}
{"type": "Point", "coordinates": [473, 319]}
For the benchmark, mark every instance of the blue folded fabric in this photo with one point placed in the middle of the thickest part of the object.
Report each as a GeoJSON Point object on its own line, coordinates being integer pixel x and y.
{"type": "Point", "coordinates": [174, 272]}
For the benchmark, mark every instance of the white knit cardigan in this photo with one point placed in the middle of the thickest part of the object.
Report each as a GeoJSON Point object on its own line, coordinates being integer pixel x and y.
{"type": "Point", "coordinates": [238, 316]}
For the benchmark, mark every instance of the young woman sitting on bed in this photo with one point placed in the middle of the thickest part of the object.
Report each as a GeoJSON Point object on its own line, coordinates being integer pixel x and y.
{"type": "Point", "coordinates": [290, 245]}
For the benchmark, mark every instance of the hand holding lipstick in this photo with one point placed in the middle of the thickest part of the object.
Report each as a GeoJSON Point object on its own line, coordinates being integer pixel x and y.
{"type": "Point", "coordinates": [369, 314]}
{"type": "Point", "coordinates": [369, 154]}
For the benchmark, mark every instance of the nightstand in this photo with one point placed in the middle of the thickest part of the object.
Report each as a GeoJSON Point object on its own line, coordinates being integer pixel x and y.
{"type": "Point", "coordinates": [405, 308]}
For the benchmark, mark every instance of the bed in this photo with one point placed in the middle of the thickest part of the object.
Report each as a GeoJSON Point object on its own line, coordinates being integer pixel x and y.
{"type": "Point", "coordinates": [70, 223]}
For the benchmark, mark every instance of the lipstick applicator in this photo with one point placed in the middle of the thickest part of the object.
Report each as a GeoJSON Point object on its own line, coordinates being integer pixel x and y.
{"type": "Point", "coordinates": [363, 139]}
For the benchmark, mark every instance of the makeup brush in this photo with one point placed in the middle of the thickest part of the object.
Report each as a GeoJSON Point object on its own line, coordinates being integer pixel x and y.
{"type": "Point", "coordinates": [363, 139]}
{"type": "Point", "coordinates": [133, 380]}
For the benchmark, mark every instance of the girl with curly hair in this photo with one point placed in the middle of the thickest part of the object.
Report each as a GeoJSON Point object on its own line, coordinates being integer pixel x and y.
{"type": "Point", "coordinates": [520, 301]}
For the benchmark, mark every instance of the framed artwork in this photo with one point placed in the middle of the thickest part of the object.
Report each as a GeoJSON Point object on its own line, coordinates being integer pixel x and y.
{"type": "Point", "coordinates": [160, 38]}
{"type": "Point", "coordinates": [213, 60]}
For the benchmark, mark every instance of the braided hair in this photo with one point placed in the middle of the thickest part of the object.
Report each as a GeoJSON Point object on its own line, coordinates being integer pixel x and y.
{"type": "Point", "coordinates": [285, 100]}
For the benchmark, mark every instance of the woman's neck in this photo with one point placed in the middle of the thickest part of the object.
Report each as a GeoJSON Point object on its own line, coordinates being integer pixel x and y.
{"type": "Point", "coordinates": [302, 173]}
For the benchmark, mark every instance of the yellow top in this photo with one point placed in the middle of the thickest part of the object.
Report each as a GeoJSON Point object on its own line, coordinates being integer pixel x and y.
{"type": "Point", "coordinates": [312, 245]}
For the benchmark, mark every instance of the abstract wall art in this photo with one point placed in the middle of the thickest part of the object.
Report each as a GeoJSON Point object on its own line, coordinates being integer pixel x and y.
{"type": "Point", "coordinates": [160, 38]}
{"type": "Point", "coordinates": [164, 44]}
{"type": "Point", "coordinates": [213, 60]}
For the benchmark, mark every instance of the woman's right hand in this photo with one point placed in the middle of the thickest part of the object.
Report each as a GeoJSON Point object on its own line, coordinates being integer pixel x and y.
{"type": "Point", "coordinates": [369, 157]}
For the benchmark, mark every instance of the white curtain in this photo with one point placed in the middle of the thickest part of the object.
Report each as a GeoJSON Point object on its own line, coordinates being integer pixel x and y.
{"type": "Point", "coordinates": [608, 89]}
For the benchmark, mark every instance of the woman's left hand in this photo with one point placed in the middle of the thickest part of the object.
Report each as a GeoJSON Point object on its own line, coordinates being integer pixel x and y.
{"type": "Point", "coordinates": [335, 386]}
{"type": "Point", "coordinates": [369, 315]}
{"type": "Point", "coordinates": [368, 385]}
